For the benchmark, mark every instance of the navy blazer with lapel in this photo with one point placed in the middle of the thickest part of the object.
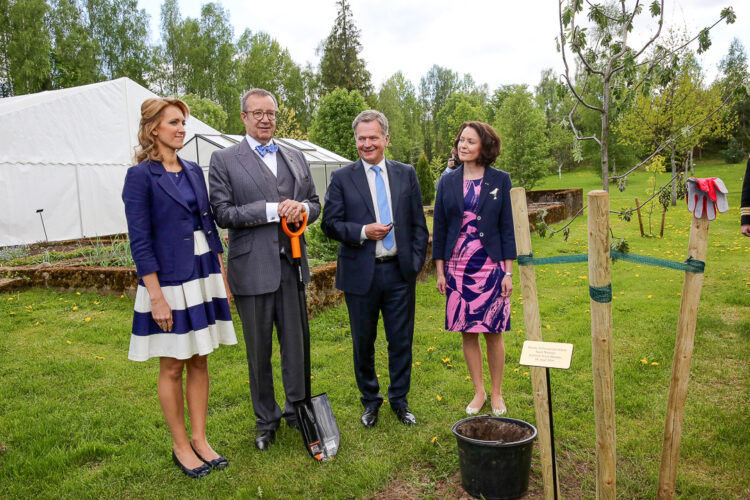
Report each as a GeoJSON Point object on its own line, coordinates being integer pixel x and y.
{"type": "Point", "coordinates": [349, 206]}
{"type": "Point", "coordinates": [160, 224]}
{"type": "Point", "coordinates": [241, 185]}
{"type": "Point", "coordinates": [494, 215]}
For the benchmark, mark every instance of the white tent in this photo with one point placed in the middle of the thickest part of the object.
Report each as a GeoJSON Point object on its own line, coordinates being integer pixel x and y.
{"type": "Point", "coordinates": [66, 152]}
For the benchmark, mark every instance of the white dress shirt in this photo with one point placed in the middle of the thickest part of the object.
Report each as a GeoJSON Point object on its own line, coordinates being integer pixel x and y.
{"type": "Point", "coordinates": [272, 208]}
{"type": "Point", "coordinates": [380, 250]}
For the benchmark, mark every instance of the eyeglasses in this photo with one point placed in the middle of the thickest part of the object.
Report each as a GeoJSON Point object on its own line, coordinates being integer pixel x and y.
{"type": "Point", "coordinates": [258, 114]}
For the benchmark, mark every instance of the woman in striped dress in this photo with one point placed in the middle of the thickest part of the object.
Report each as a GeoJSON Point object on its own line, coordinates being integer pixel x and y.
{"type": "Point", "coordinates": [182, 302]}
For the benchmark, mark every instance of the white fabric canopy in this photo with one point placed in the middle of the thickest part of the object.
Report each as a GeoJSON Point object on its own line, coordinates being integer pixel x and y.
{"type": "Point", "coordinates": [66, 152]}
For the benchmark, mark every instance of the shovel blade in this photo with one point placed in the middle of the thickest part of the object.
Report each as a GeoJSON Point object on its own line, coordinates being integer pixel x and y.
{"type": "Point", "coordinates": [318, 426]}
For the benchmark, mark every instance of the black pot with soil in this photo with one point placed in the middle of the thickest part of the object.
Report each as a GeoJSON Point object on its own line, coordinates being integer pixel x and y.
{"type": "Point", "coordinates": [495, 456]}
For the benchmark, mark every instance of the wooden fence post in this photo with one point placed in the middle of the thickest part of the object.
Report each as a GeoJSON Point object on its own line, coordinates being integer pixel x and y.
{"type": "Point", "coordinates": [683, 353]}
{"type": "Point", "coordinates": [601, 344]}
{"type": "Point", "coordinates": [527, 278]}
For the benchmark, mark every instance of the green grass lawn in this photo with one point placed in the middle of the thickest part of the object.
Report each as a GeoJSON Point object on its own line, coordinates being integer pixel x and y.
{"type": "Point", "coordinates": [77, 419]}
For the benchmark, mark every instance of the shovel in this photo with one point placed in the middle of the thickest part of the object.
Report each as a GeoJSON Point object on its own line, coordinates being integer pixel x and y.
{"type": "Point", "coordinates": [314, 414]}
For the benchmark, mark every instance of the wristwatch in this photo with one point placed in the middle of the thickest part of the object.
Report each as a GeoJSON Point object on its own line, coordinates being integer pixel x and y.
{"type": "Point", "coordinates": [508, 274]}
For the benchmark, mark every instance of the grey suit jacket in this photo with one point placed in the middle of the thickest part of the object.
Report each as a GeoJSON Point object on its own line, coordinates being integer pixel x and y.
{"type": "Point", "coordinates": [239, 192]}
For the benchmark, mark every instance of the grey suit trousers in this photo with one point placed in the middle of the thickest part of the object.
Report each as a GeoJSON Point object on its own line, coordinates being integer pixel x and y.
{"type": "Point", "coordinates": [258, 314]}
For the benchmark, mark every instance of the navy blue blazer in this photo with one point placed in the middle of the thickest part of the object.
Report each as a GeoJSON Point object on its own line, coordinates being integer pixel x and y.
{"type": "Point", "coordinates": [494, 215]}
{"type": "Point", "coordinates": [159, 220]}
{"type": "Point", "coordinates": [349, 206]}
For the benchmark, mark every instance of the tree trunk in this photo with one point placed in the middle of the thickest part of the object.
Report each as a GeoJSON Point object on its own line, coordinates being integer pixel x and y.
{"type": "Point", "coordinates": [674, 173]}
{"type": "Point", "coordinates": [605, 134]}
{"type": "Point", "coordinates": [559, 170]}
{"type": "Point", "coordinates": [692, 165]}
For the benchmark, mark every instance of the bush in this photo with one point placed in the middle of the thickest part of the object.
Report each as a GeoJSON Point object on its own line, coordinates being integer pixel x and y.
{"type": "Point", "coordinates": [320, 246]}
{"type": "Point", "coordinates": [426, 181]}
{"type": "Point", "coordinates": [734, 152]}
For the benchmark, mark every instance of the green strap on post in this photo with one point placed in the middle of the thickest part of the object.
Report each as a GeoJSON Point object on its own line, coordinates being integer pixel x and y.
{"type": "Point", "coordinates": [602, 294]}
{"type": "Point", "coordinates": [690, 265]}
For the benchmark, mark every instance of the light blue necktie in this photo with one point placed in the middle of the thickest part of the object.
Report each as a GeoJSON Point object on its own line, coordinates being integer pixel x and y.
{"type": "Point", "coordinates": [383, 208]}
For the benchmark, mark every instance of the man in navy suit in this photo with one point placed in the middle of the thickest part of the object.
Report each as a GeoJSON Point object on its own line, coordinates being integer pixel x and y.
{"type": "Point", "coordinates": [374, 208]}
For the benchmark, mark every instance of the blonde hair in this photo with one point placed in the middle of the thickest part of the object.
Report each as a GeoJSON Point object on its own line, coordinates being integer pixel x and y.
{"type": "Point", "coordinates": [152, 111]}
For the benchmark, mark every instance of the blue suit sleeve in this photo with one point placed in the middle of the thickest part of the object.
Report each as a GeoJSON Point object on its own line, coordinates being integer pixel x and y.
{"type": "Point", "coordinates": [507, 233]}
{"type": "Point", "coordinates": [136, 194]}
{"type": "Point", "coordinates": [334, 223]}
{"type": "Point", "coordinates": [439, 228]}
{"type": "Point", "coordinates": [419, 225]}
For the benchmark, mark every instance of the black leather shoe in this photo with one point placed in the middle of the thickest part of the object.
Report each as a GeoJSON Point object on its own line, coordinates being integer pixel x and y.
{"type": "Point", "coordinates": [405, 416]}
{"type": "Point", "coordinates": [198, 472]}
{"type": "Point", "coordinates": [370, 417]}
{"type": "Point", "coordinates": [216, 463]}
{"type": "Point", "coordinates": [265, 439]}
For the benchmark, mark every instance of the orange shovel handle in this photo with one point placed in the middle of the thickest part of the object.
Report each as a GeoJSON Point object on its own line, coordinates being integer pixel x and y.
{"type": "Point", "coordinates": [294, 235]}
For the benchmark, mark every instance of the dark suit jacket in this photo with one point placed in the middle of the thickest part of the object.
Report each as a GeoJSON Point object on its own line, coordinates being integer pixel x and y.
{"type": "Point", "coordinates": [349, 206]}
{"type": "Point", "coordinates": [159, 220]}
{"type": "Point", "coordinates": [239, 193]}
{"type": "Point", "coordinates": [745, 201]}
{"type": "Point", "coordinates": [494, 215]}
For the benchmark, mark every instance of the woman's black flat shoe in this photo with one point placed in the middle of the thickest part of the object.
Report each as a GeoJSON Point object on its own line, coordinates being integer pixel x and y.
{"type": "Point", "coordinates": [216, 463]}
{"type": "Point", "coordinates": [198, 472]}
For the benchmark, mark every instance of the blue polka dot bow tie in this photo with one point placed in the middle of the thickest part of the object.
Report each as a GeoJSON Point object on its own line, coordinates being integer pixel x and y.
{"type": "Point", "coordinates": [263, 149]}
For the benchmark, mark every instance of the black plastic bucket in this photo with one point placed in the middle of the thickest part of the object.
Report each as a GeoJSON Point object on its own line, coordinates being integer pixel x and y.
{"type": "Point", "coordinates": [492, 469]}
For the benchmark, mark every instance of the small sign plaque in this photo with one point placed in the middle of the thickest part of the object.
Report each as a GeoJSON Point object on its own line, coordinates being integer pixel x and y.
{"type": "Point", "coordinates": [546, 354]}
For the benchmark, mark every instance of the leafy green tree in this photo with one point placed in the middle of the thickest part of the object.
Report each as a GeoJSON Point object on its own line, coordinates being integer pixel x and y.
{"type": "Point", "coordinates": [664, 114]}
{"type": "Point", "coordinates": [209, 112]}
{"type": "Point", "coordinates": [120, 29]}
{"type": "Point", "coordinates": [340, 65]}
{"type": "Point", "coordinates": [332, 125]}
{"type": "Point", "coordinates": [459, 107]}
{"type": "Point", "coordinates": [263, 63]}
{"type": "Point", "coordinates": [610, 55]}
{"type": "Point", "coordinates": [735, 79]}
{"type": "Point", "coordinates": [397, 99]}
{"type": "Point", "coordinates": [74, 56]}
{"type": "Point", "coordinates": [287, 125]}
{"type": "Point", "coordinates": [171, 60]}
{"type": "Point", "coordinates": [552, 97]}
{"type": "Point", "coordinates": [426, 180]}
{"type": "Point", "coordinates": [521, 127]}
{"type": "Point", "coordinates": [434, 89]}
{"type": "Point", "coordinates": [24, 47]}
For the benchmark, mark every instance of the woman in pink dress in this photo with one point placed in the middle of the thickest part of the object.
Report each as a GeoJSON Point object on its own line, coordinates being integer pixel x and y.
{"type": "Point", "coordinates": [474, 248]}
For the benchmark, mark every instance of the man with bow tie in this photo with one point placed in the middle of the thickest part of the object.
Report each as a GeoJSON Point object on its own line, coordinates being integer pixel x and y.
{"type": "Point", "coordinates": [253, 184]}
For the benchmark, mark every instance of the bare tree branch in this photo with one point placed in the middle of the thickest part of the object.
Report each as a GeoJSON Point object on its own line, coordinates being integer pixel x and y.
{"type": "Point", "coordinates": [565, 62]}
{"type": "Point", "coordinates": [570, 118]}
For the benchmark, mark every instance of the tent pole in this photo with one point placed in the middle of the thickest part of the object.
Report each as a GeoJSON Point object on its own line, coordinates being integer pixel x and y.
{"type": "Point", "coordinates": [78, 196]}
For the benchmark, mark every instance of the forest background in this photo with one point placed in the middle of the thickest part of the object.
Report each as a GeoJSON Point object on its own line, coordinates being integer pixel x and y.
{"type": "Point", "coordinates": [51, 44]}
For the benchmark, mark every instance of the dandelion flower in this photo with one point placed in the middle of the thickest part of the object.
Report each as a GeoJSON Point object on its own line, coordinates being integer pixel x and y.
{"type": "Point", "coordinates": [650, 296]}
{"type": "Point", "coordinates": [69, 342]}
{"type": "Point", "coordinates": [439, 397]}
{"type": "Point", "coordinates": [467, 377]}
{"type": "Point", "coordinates": [515, 369]}
{"type": "Point", "coordinates": [433, 440]}
{"type": "Point", "coordinates": [78, 293]}
{"type": "Point", "coordinates": [654, 363]}
{"type": "Point", "coordinates": [548, 327]}
{"type": "Point", "coordinates": [96, 302]}
{"type": "Point", "coordinates": [446, 360]}
{"type": "Point", "coordinates": [644, 361]}
{"type": "Point", "coordinates": [418, 363]}
{"type": "Point", "coordinates": [75, 308]}
{"type": "Point", "coordinates": [10, 299]}
{"type": "Point", "coordinates": [36, 324]}
{"type": "Point", "coordinates": [12, 314]}
{"type": "Point", "coordinates": [99, 357]}
{"type": "Point", "coordinates": [122, 296]}
{"type": "Point", "coordinates": [87, 319]}
{"type": "Point", "coordinates": [637, 275]}
{"type": "Point", "coordinates": [378, 375]}
{"type": "Point", "coordinates": [525, 374]}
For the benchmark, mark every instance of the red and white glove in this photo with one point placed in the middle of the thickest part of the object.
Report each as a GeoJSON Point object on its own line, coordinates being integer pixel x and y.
{"type": "Point", "coordinates": [706, 197]}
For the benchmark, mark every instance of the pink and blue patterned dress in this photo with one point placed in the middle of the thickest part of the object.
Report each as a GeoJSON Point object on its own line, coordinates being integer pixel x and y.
{"type": "Point", "coordinates": [473, 280]}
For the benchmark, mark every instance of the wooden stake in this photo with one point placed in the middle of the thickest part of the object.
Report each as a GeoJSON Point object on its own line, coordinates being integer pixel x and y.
{"type": "Point", "coordinates": [640, 220]}
{"type": "Point", "coordinates": [663, 215]}
{"type": "Point", "coordinates": [601, 345]}
{"type": "Point", "coordinates": [532, 319]}
{"type": "Point", "coordinates": [683, 353]}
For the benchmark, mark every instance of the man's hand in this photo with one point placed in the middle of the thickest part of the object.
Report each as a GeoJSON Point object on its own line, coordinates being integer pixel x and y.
{"type": "Point", "coordinates": [292, 210]}
{"type": "Point", "coordinates": [377, 231]}
{"type": "Point", "coordinates": [746, 229]}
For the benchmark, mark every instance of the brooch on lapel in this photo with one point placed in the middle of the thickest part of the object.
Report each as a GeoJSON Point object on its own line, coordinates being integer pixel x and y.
{"type": "Point", "coordinates": [494, 194]}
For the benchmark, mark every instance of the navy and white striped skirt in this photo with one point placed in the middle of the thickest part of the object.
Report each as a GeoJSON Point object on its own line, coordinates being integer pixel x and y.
{"type": "Point", "coordinates": [200, 313]}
